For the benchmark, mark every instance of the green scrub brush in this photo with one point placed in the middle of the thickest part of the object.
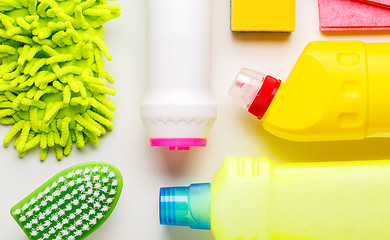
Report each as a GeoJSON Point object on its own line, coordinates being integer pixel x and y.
{"type": "Point", "coordinates": [72, 204]}
{"type": "Point", "coordinates": [52, 81]}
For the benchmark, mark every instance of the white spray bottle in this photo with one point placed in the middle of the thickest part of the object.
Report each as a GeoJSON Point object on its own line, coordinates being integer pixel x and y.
{"type": "Point", "coordinates": [179, 110]}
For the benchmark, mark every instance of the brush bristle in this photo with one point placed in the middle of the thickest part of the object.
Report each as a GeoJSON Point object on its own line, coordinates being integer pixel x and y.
{"type": "Point", "coordinates": [72, 204]}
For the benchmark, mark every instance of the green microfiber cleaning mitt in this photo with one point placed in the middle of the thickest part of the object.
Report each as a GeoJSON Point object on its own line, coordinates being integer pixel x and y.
{"type": "Point", "coordinates": [52, 87]}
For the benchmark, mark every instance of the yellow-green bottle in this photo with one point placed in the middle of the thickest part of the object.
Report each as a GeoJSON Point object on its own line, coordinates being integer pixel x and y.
{"type": "Point", "coordinates": [256, 199]}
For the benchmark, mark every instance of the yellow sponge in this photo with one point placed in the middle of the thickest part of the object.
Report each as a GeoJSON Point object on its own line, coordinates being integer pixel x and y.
{"type": "Point", "coordinates": [262, 15]}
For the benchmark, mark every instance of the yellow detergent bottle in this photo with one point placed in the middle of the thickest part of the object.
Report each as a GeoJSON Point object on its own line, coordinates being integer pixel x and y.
{"type": "Point", "coordinates": [338, 90]}
{"type": "Point", "coordinates": [256, 199]}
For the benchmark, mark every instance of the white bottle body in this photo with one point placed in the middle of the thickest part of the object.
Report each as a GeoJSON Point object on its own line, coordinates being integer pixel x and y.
{"type": "Point", "coordinates": [178, 103]}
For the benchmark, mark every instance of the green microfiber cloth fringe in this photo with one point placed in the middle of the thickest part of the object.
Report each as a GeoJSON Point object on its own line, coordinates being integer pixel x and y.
{"type": "Point", "coordinates": [52, 80]}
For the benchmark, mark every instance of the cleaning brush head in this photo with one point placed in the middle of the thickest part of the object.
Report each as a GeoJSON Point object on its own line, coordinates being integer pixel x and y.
{"type": "Point", "coordinates": [72, 204]}
{"type": "Point", "coordinates": [52, 80]}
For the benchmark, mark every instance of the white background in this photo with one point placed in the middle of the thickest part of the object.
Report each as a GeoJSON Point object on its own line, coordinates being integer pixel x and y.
{"type": "Point", "coordinates": [146, 169]}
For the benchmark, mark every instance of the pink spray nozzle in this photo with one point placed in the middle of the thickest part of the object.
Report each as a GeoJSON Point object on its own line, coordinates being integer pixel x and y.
{"type": "Point", "coordinates": [180, 143]}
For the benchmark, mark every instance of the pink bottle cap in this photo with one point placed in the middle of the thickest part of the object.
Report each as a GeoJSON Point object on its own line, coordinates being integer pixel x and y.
{"type": "Point", "coordinates": [180, 143]}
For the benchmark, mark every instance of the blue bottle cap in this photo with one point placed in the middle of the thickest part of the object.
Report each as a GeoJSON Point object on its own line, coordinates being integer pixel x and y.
{"type": "Point", "coordinates": [186, 206]}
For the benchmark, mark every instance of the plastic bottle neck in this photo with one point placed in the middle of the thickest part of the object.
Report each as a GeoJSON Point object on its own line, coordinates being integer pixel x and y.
{"type": "Point", "coordinates": [186, 206]}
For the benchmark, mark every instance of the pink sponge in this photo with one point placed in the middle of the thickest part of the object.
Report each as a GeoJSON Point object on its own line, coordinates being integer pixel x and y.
{"type": "Point", "coordinates": [383, 3]}
{"type": "Point", "coordinates": [342, 15]}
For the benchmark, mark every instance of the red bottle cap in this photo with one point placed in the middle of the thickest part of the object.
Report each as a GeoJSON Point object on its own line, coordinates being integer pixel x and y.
{"type": "Point", "coordinates": [254, 91]}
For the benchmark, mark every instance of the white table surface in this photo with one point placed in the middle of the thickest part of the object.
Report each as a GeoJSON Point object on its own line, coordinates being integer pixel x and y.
{"type": "Point", "coordinates": [146, 169]}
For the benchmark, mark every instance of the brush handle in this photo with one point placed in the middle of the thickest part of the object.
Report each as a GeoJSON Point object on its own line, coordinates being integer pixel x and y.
{"type": "Point", "coordinates": [178, 103]}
